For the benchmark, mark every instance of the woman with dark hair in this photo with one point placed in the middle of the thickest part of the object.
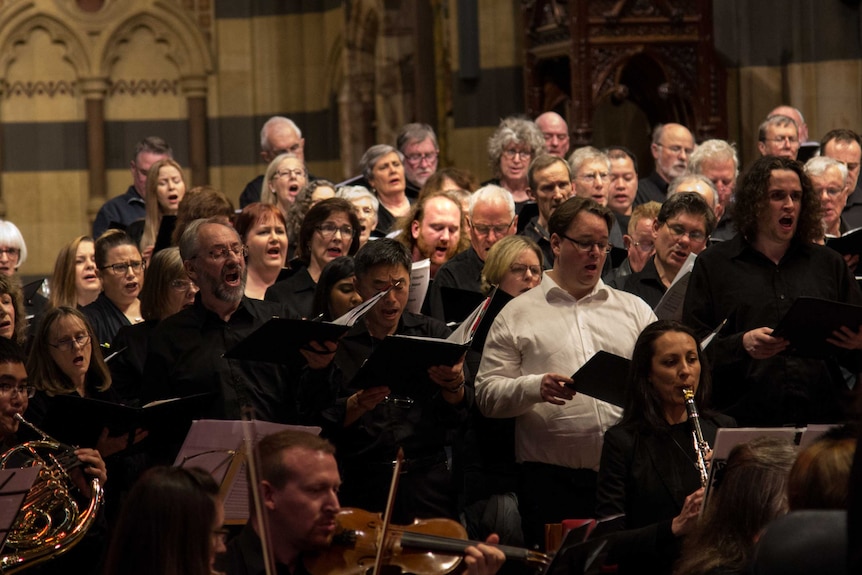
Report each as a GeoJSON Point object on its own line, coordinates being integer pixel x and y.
{"type": "Point", "coordinates": [329, 230]}
{"type": "Point", "coordinates": [167, 291]}
{"type": "Point", "coordinates": [315, 192]}
{"type": "Point", "coordinates": [336, 293]}
{"type": "Point", "coordinates": [75, 281]}
{"type": "Point", "coordinates": [752, 492]}
{"type": "Point", "coordinates": [13, 322]}
{"type": "Point", "coordinates": [649, 465]}
{"type": "Point", "coordinates": [121, 268]}
{"type": "Point", "coordinates": [201, 202]}
{"type": "Point", "coordinates": [262, 228]}
{"type": "Point", "coordinates": [171, 524]}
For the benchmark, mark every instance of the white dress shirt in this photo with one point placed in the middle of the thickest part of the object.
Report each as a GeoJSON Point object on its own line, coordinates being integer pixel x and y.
{"type": "Point", "coordinates": [547, 330]}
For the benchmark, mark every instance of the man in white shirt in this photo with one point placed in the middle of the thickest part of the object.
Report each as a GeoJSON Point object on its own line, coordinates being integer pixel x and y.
{"type": "Point", "coordinates": [536, 342]}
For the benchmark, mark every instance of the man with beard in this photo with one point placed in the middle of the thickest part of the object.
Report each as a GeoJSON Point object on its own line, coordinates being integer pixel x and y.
{"type": "Point", "coordinates": [299, 486]}
{"type": "Point", "coordinates": [672, 144]}
{"type": "Point", "coordinates": [433, 229]}
{"type": "Point", "coordinates": [752, 280]}
{"type": "Point", "coordinates": [185, 355]}
{"type": "Point", "coordinates": [550, 180]}
{"type": "Point", "coordinates": [682, 227]}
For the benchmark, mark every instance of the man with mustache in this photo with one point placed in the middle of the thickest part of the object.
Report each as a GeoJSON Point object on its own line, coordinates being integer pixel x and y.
{"type": "Point", "coordinates": [550, 180]}
{"type": "Point", "coordinates": [185, 354]}
{"type": "Point", "coordinates": [299, 483]}
{"type": "Point", "coordinates": [751, 281]}
{"type": "Point", "coordinates": [368, 426]}
{"type": "Point", "coordinates": [433, 229]}
{"type": "Point", "coordinates": [682, 227]}
{"type": "Point", "coordinates": [672, 144]}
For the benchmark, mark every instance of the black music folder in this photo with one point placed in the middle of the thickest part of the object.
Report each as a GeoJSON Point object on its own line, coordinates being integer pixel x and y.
{"type": "Point", "coordinates": [810, 321]}
{"type": "Point", "coordinates": [80, 420]}
{"type": "Point", "coordinates": [277, 340]}
{"type": "Point", "coordinates": [401, 359]}
{"type": "Point", "coordinates": [848, 244]}
{"type": "Point", "coordinates": [458, 303]}
{"type": "Point", "coordinates": [603, 377]}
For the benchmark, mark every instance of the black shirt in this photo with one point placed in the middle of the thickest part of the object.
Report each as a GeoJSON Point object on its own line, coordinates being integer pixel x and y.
{"type": "Point", "coordinates": [296, 293]}
{"type": "Point", "coordinates": [244, 556]}
{"type": "Point", "coordinates": [185, 357]}
{"type": "Point", "coordinates": [733, 280]}
{"type": "Point", "coordinates": [105, 318]}
{"type": "Point", "coordinates": [540, 235]}
{"type": "Point", "coordinates": [646, 284]}
{"type": "Point", "coordinates": [463, 271]}
{"type": "Point", "coordinates": [651, 189]}
{"type": "Point", "coordinates": [127, 366]}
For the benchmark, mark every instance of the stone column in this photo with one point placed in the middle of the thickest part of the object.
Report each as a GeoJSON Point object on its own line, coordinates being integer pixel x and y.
{"type": "Point", "coordinates": [195, 90]}
{"type": "Point", "coordinates": [94, 91]}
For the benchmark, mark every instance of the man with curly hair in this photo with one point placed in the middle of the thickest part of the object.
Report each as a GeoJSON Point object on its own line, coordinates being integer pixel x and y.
{"type": "Point", "coordinates": [752, 280]}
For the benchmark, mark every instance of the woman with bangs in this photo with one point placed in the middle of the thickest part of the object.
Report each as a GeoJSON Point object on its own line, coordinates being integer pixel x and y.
{"type": "Point", "coordinates": [262, 228]}
{"type": "Point", "coordinates": [75, 282]}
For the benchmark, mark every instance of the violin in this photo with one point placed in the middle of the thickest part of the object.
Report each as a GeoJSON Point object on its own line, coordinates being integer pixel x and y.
{"type": "Point", "coordinates": [426, 547]}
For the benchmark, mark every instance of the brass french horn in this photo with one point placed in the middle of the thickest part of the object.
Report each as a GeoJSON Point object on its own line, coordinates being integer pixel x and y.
{"type": "Point", "coordinates": [55, 516]}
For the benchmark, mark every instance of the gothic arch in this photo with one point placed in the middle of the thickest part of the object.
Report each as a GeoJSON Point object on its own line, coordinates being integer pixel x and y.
{"type": "Point", "coordinates": [17, 29]}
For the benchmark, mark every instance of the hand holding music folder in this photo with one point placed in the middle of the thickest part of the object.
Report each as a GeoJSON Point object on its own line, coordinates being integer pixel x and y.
{"type": "Point", "coordinates": [603, 377]}
{"type": "Point", "coordinates": [848, 244]}
{"type": "Point", "coordinates": [400, 360]}
{"type": "Point", "coordinates": [810, 322]}
{"type": "Point", "coordinates": [80, 420]}
{"type": "Point", "coordinates": [275, 340]}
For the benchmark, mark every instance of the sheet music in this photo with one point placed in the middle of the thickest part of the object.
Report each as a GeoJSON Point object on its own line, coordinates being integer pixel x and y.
{"type": "Point", "coordinates": [420, 278]}
{"type": "Point", "coordinates": [670, 306]}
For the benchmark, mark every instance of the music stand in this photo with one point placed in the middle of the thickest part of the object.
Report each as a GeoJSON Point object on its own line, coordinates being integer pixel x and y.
{"type": "Point", "coordinates": [216, 447]}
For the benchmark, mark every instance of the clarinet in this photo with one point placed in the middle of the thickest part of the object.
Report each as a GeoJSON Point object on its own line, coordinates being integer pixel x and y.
{"type": "Point", "coordinates": [701, 447]}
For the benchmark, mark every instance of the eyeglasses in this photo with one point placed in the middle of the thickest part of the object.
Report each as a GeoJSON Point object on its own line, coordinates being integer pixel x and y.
{"type": "Point", "coordinates": [297, 173]}
{"type": "Point", "coordinates": [586, 247]}
{"type": "Point", "coordinates": [594, 176]}
{"type": "Point", "coordinates": [677, 149]}
{"type": "Point", "coordinates": [417, 159]}
{"type": "Point", "coordinates": [831, 192]}
{"type": "Point", "coordinates": [328, 230]}
{"type": "Point", "coordinates": [8, 390]}
{"type": "Point", "coordinates": [182, 285]}
{"type": "Point", "coordinates": [485, 229]}
{"type": "Point", "coordinates": [11, 252]}
{"type": "Point", "coordinates": [222, 253]}
{"type": "Point", "coordinates": [782, 139]}
{"type": "Point", "coordinates": [71, 343]}
{"type": "Point", "coordinates": [526, 154]}
{"type": "Point", "coordinates": [677, 231]}
{"type": "Point", "coordinates": [645, 246]}
{"type": "Point", "coordinates": [521, 269]}
{"type": "Point", "coordinates": [120, 268]}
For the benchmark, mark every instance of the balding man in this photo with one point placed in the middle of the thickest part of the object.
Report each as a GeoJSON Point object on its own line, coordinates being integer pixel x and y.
{"type": "Point", "coordinates": [778, 136]}
{"type": "Point", "coordinates": [556, 132]}
{"type": "Point", "coordinates": [672, 144]}
{"type": "Point", "coordinates": [699, 185]}
{"type": "Point", "coordinates": [279, 135]}
{"type": "Point", "coordinates": [491, 218]}
{"type": "Point", "coordinates": [846, 147]}
{"type": "Point", "coordinates": [718, 161]}
{"type": "Point", "coordinates": [807, 149]}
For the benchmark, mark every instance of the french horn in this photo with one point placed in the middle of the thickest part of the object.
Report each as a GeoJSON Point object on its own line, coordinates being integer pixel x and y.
{"type": "Point", "coordinates": [55, 515]}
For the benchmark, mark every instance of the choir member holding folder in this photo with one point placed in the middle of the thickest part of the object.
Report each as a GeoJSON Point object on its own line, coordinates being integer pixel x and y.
{"type": "Point", "coordinates": [369, 425]}
{"type": "Point", "coordinates": [752, 281]}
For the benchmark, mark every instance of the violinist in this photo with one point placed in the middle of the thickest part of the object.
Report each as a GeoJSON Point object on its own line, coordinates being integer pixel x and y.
{"type": "Point", "coordinates": [299, 484]}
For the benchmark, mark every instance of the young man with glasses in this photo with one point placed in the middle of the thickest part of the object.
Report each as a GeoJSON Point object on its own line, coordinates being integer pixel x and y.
{"type": "Point", "coordinates": [186, 350]}
{"type": "Point", "coordinates": [540, 339]}
{"type": "Point", "coordinates": [491, 218]}
{"type": "Point", "coordinates": [682, 227]}
{"type": "Point", "coordinates": [672, 144]}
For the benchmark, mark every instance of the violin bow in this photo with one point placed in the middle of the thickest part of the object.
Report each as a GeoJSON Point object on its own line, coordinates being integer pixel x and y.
{"type": "Point", "coordinates": [248, 434]}
{"type": "Point", "coordinates": [387, 515]}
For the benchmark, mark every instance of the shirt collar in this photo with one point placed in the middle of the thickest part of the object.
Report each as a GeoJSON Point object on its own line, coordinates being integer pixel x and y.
{"type": "Point", "coordinates": [554, 293]}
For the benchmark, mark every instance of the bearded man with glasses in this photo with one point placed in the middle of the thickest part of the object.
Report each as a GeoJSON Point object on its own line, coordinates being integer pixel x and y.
{"type": "Point", "coordinates": [537, 341]}
{"type": "Point", "coordinates": [186, 350]}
